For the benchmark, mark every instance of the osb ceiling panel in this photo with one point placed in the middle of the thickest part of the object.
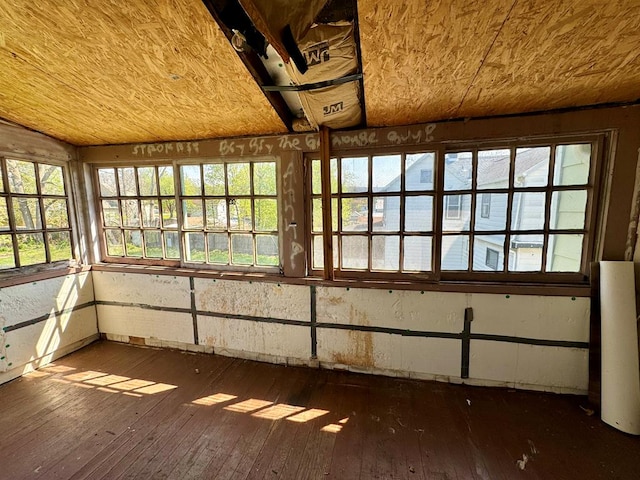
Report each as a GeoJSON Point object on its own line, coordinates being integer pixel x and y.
{"type": "Point", "coordinates": [419, 57]}
{"type": "Point", "coordinates": [561, 53]}
{"type": "Point", "coordinates": [444, 59]}
{"type": "Point", "coordinates": [95, 72]}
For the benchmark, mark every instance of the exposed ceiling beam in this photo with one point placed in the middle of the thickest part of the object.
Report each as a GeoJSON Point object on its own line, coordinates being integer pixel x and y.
{"type": "Point", "coordinates": [255, 66]}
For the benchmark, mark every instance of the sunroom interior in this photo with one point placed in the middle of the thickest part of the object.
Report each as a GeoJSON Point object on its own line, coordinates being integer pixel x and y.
{"type": "Point", "coordinates": [415, 190]}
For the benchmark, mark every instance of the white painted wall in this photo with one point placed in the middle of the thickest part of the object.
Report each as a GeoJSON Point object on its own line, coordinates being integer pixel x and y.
{"type": "Point", "coordinates": [259, 299]}
{"type": "Point", "coordinates": [225, 310]}
{"type": "Point", "coordinates": [288, 344]}
{"type": "Point", "coordinates": [31, 346]}
{"type": "Point", "coordinates": [144, 289]}
{"type": "Point", "coordinates": [551, 368]}
{"type": "Point", "coordinates": [128, 318]}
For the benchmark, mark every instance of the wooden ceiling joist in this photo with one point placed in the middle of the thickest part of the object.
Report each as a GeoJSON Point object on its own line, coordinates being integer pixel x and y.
{"type": "Point", "coordinates": [251, 61]}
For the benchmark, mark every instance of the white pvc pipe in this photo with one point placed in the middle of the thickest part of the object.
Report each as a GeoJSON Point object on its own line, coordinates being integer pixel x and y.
{"type": "Point", "coordinates": [620, 366]}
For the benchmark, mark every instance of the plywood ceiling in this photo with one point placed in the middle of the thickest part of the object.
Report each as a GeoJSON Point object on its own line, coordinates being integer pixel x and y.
{"type": "Point", "coordinates": [96, 72]}
{"type": "Point", "coordinates": [442, 59]}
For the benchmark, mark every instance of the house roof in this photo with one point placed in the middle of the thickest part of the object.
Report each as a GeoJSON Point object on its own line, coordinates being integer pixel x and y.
{"type": "Point", "coordinates": [498, 169]}
{"type": "Point", "coordinates": [110, 72]}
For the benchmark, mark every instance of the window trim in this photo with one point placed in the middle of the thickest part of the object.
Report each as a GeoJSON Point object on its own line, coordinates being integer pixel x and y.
{"type": "Point", "coordinates": [104, 257]}
{"type": "Point", "coordinates": [402, 193]}
{"type": "Point", "coordinates": [457, 207]}
{"type": "Point", "coordinates": [427, 178]}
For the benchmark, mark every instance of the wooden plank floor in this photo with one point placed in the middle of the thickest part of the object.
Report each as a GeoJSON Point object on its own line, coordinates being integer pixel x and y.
{"type": "Point", "coordinates": [118, 411]}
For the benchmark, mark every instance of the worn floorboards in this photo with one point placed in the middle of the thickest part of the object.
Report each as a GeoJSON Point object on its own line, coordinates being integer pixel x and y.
{"type": "Point", "coordinates": [113, 411]}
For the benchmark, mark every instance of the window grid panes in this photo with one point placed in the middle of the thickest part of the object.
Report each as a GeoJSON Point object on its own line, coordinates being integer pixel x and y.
{"type": "Point", "coordinates": [230, 213]}
{"type": "Point", "coordinates": [382, 213]}
{"type": "Point", "coordinates": [34, 214]}
{"type": "Point", "coordinates": [139, 212]}
{"type": "Point", "coordinates": [528, 203]}
{"type": "Point", "coordinates": [223, 213]}
{"type": "Point", "coordinates": [519, 209]}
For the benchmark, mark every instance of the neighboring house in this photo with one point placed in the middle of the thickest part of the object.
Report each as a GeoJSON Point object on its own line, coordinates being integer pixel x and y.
{"type": "Point", "coordinates": [528, 211]}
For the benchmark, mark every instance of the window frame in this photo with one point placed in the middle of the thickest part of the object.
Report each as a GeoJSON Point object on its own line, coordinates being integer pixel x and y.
{"type": "Point", "coordinates": [178, 197]}
{"type": "Point", "coordinates": [402, 193]}
{"type": "Point", "coordinates": [104, 256]}
{"type": "Point", "coordinates": [594, 184]}
{"type": "Point", "coordinates": [424, 177]}
{"type": "Point", "coordinates": [275, 269]}
{"type": "Point", "coordinates": [491, 252]}
{"type": "Point", "coordinates": [457, 207]}
{"type": "Point", "coordinates": [44, 229]}
{"type": "Point", "coordinates": [485, 205]}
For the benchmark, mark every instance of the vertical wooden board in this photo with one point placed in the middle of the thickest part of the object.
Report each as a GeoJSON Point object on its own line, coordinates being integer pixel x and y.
{"type": "Point", "coordinates": [419, 58]}
{"type": "Point", "coordinates": [292, 226]}
{"type": "Point", "coordinates": [25, 302]}
{"type": "Point", "coordinates": [256, 299]}
{"type": "Point", "coordinates": [496, 361]}
{"type": "Point", "coordinates": [138, 322]}
{"type": "Point", "coordinates": [555, 367]}
{"type": "Point", "coordinates": [271, 339]}
{"type": "Point", "coordinates": [409, 310]}
{"type": "Point", "coordinates": [548, 318]}
{"type": "Point", "coordinates": [558, 54]}
{"type": "Point", "coordinates": [37, 340]}
{"type": "Point", "coordinates": [146, 289]}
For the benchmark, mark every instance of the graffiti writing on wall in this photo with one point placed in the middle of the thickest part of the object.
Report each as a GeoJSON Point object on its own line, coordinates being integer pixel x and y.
{"type": "Point", "coordinates": [159, 149]}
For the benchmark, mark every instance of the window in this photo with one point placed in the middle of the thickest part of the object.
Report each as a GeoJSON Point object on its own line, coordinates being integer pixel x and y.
{"type": "Point", "coordinates": [426, 176]}
{"type": "Point", "coordinates": [540, 195]}
{"type": "Point", "coordinates": [453, 206]}
{"type": "Point", "coordinates": [529, 202]}
{"type": "Point", "coordinates": [230, 213]}
{"type": "Point", "coordinates": [34, 214]}
{"type": "Point", "coordinates": [382, 211]}
{"type": "Point", "coordinates": [491, 259]}
{"type": "Point", "coordinates": [207, 213]}
{"type": "Point", "coordinates": [485, 206]}
{"type": "Point", "coordinates": [139, 214]}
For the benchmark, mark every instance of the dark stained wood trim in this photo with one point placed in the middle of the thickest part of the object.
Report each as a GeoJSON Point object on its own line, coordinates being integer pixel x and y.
{"type": "Point", "coordinates": [561, 290]}
{"type": "Point", "coordinates": [257, 70]}
{"type": "Point", "coordinates": [20, 277]}
{"type": "Point", "coordinates": [327, 230]}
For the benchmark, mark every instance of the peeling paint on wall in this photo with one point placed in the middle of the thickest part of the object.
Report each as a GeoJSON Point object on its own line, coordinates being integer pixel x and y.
{"type": "Point", "coordinates": [530, 341]}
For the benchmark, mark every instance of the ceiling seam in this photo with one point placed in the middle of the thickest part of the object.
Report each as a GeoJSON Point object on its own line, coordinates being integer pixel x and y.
{"type": "Point", "coordinates": [484, 58]}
